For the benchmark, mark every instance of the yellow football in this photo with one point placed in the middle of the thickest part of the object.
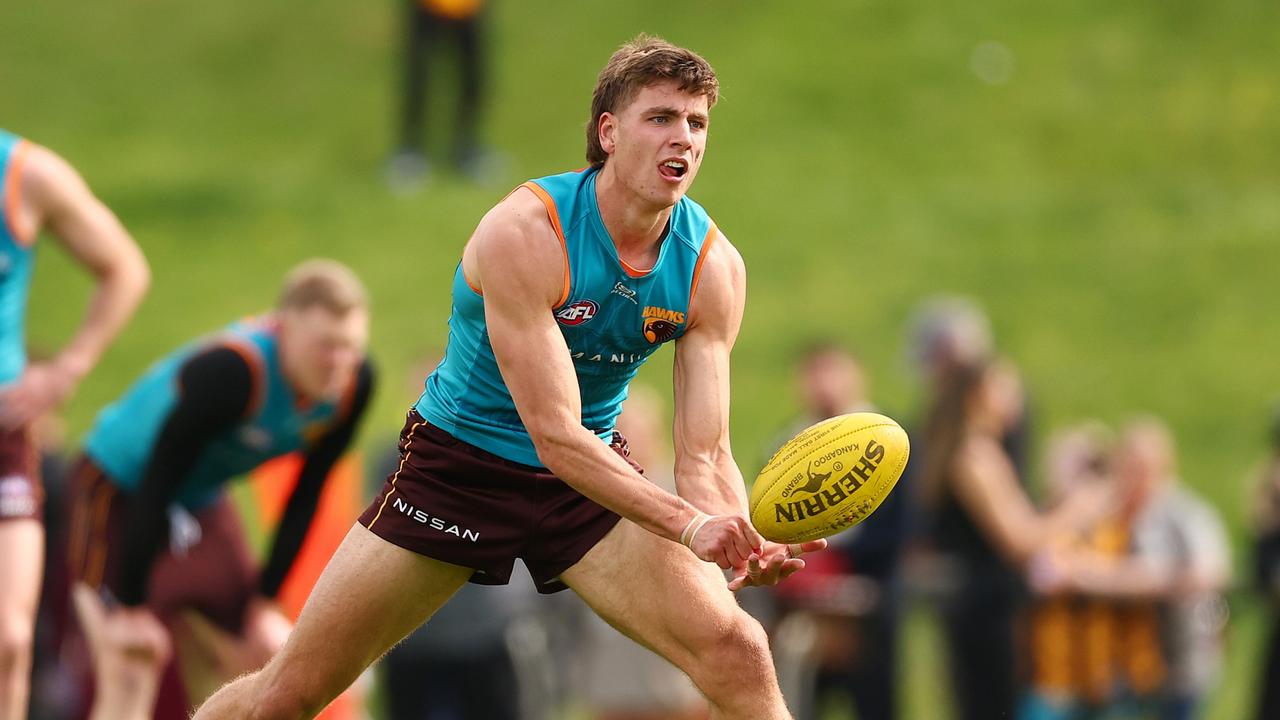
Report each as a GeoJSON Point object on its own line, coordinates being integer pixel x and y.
{"type": "Point", "coordinates": [829, 477]}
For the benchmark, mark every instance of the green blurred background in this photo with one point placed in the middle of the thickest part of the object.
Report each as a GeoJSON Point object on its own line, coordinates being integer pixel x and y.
{"type": "Point", "coordinates": [1103, 177]}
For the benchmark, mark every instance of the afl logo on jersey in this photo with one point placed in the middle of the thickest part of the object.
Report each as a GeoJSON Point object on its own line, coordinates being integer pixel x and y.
{"type": "Point", "coordinates": [577, 313]}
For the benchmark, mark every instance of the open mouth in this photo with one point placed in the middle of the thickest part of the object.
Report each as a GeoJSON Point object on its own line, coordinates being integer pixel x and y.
{"type": "Point", "coordinates": [673, 169]}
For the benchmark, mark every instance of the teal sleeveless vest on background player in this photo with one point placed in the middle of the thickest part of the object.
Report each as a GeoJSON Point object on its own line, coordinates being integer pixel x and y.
{"type": "Point", "coordinates": [16, 262]}
{"type": "Point", "coordinates": [612, 318]}
{"type": "Point", "coordinates": [125, 432]}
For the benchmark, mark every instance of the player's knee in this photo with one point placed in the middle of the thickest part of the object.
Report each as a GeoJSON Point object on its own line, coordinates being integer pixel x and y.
{"type": "Point", "coordinates": [16, 636]}
{"type": "Point", "coordinates": [737, 655]}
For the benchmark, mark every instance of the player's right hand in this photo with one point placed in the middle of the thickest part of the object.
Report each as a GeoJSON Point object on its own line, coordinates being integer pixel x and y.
{"type": "Point", "coordinates": [41, 388]}
{"type": "Point", "coordinates": [726, 540]}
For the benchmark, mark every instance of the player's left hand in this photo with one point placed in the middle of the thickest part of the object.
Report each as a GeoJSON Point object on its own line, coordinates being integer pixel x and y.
{"type": "Point", "coordinates": [772, 564]}
{"type": "Point", "coordinates": [42, 387]}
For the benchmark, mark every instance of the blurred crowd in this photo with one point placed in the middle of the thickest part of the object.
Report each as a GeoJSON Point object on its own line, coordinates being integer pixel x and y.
{"type": "Point", "coordinates": [1104, 597]}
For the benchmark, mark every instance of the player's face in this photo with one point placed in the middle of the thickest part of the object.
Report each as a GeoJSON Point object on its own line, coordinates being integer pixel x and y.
{"type": "Point", "coordinates": [656, 143]}
{"type": "Point", "coordinates": [321, 350]}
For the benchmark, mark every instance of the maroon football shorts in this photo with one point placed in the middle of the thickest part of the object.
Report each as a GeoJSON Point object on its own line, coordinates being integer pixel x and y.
{"type": "Point", "coordinates": [215, 574]}
{"type": "Point", "coordinates": [21, 494]}
{"type": "Point", "coordinates": [454, 502]}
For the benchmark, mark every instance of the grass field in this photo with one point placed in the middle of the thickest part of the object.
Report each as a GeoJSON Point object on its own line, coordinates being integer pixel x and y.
{"type": "Point", "coordinates": [1104, 177]}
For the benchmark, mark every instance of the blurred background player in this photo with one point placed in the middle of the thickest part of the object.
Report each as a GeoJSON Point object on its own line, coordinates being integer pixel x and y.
{"type": "Point", "coordinates": [621, 680]}
{"type": "Point", "coordinates": [849, 591]}
{"type": "Point", "coordinates": [434, 29]}
{"type": "Point", "coordinates": [40, 191]}
{"type": "Point", "coordinates": [151, 521]}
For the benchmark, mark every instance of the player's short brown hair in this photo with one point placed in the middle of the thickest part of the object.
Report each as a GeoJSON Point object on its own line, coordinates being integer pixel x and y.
{"type": "Point", "coordinates": [322, 283]}
{"type": "Point", "coordinates": [638, 64]}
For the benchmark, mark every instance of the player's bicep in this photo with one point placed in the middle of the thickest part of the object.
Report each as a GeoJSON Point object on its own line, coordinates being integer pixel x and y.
{"type": "Point", "coordinates": [519, 262]}
{"type": "Point", "coordinates": [702, 356]}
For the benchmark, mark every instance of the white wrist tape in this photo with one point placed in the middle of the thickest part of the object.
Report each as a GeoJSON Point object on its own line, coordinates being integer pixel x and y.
{"type": "Point", "coordinates": [691, 530]}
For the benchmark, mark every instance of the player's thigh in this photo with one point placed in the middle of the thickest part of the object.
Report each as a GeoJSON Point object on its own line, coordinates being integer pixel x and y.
{"type": "Point", "coordinates": [371, 594]}
{"type": "Point", "coordinates": [657, 593]}
{"type": "Point", "coordinates": [21, 563]}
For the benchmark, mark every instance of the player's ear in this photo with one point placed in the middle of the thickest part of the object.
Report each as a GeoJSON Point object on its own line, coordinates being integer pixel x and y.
{"type": "Point", "coordinates": [606, 131]}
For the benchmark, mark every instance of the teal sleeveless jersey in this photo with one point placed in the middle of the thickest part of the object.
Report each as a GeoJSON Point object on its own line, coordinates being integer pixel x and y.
{"type": "Point", "coordinates": [612, 318]}
{"type": "Point", "coordinates": [125, 432]}
{"type": "Point", "coordinates": [17, 257]}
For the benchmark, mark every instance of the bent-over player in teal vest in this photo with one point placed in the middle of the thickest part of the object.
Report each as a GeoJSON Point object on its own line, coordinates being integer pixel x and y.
{"type": "Point", "coordinates": [152, 523]}
{"type": "Point", "coordinates": [39, 192]}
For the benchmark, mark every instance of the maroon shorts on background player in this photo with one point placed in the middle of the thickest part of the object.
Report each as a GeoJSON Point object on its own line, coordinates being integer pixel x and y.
{"type": "Point", "coordinates": [21, 494]}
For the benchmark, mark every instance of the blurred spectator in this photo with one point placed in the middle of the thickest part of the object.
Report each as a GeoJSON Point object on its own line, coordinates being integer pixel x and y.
{"type": "Point", "coordinates": [1177, 565]}
{"type": "Point", "coordinates": [435, 27]}
{"type": "Point", "coordinates": [620, 679]}
{"type": "Point", "coordinates": [849, 591]}
{"type": "Point", "coordinates": [951, 332]}
{"type": "Point", "coordinates": [986, 528]}
{"type": "Point", "coordinates": [457, 666]}
{"type": "Point", "coordinates": [1073, 640]}
{"type": "Point", "coordinates": [1266, 569]}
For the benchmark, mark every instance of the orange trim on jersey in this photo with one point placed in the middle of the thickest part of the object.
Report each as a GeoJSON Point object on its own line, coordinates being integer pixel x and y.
{"type": "Point", "coordinates": [554, 216]}
{"type": "Point", "coordinates": [707, 242]}
{"type": "Point", "coordinates": [96, 567]}
{"type": "Point", "coordinates": [257, 373]}
{"type": "Point", "coordinates": [631, 271]}
{"type": "Point", "coordinates": [474, 288]}
{"type": "Point", "coordinates": [80, 529]}
{"type": "Point", "coordinates": [403, 458]}
{"type": "Point", "coordinates": [13, 192]}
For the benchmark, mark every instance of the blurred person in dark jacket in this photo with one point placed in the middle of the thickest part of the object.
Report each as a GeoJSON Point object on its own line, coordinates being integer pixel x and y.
{"type": "Point", "coordinates": [849, 589]}
{"type": "Point", "coordinates": [951, 332]}
{"type": "Point", "coordinates": [1266, 569]}
{"type": "Point", "coordinates": [435, 28]}
{"type": "Point", "coordinates": [986, 527]}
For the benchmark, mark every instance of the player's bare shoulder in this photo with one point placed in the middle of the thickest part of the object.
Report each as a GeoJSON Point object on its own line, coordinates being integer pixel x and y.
{"type": "Point", "coordinates": [516, 241]}
{"type": "Point", "coordinates": [720, 284]}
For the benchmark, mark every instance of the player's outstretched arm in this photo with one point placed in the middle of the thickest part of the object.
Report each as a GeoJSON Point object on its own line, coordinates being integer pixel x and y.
{"type": "Point", "coordinates": [706, 473]}
{"type": "Point", "coordinates": [52, 195]}
{"type": "Point", "coordinates": [519, 264]}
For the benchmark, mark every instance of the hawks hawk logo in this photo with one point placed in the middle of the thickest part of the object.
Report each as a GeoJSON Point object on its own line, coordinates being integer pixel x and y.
{"type": "Point", "coordinates": [577, 313]}
{"type": "Point", "coordinates": [661, 324]}
{"type": "Point", "coordinates": [657, 331]}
